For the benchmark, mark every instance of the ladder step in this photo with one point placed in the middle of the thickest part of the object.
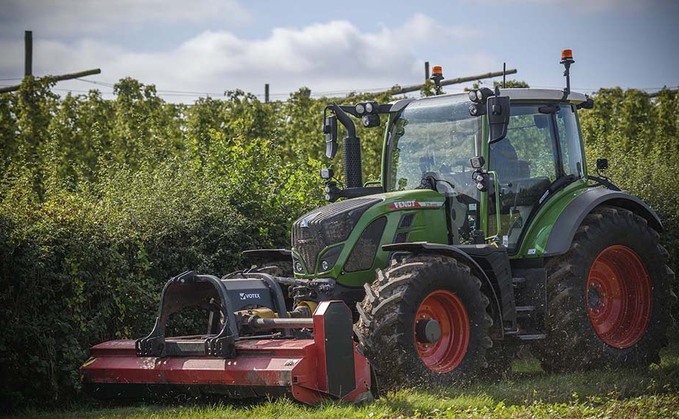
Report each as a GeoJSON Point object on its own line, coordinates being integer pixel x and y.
{"type": "Point", "coordinates": [525, 309]}
{"type": "Point", "coordinates": [518, 281]}
{"type": "Point", "coordinates": [537, 336]}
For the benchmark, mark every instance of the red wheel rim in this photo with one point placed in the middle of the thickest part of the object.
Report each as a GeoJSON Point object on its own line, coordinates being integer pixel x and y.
{"type": "Point", "coordinates": [619, 296]}
{"type": "Point", "coordinates": [447, 353]}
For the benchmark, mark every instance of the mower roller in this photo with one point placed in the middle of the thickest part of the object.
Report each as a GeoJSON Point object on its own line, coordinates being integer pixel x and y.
{"type": "Point", "coordinates": [484, 233]}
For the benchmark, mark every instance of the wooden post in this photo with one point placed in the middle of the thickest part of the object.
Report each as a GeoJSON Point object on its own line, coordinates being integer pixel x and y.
{"type": "Point", "coordinates": [60, 77]}
{"type": "Point", "coordinates": [28, 57]}
{"type": "Point", "coordinates": [448, 82]}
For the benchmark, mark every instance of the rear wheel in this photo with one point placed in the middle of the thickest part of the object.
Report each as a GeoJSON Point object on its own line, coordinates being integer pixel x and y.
{"type": "Point", "coordinates": [609, 296]}
{"type": "Point", "coordinates": [424, 320]}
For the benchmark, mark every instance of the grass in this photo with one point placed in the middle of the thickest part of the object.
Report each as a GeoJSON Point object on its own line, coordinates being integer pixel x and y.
{"type": "Point", "coordinates": [528, 392]}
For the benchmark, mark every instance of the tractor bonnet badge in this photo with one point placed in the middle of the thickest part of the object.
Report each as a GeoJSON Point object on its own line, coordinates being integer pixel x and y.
{"type": "Point", "coordinates": [413, 204]}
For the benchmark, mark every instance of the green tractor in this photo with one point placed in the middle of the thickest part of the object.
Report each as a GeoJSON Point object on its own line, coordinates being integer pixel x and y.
{"type": "Point", "coordinates": [485, 233]}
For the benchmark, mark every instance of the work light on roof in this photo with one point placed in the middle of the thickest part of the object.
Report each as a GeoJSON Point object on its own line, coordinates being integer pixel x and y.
{"type": "Point", "coordinates": [480, 95]}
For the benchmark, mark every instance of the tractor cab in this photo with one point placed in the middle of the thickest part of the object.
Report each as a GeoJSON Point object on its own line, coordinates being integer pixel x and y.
{"type": "Point", "coordinates": [434, 142]}
{"type": "Point", "coordinates": [496, 157]}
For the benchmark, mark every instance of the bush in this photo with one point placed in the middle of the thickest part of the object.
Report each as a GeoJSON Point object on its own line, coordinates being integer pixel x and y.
{"type": "Point", "coordinates": [80, 269]}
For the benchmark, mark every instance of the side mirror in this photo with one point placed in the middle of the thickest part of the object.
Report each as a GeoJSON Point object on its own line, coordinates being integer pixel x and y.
{"type": "Point", "coordinates": [587, 104]}
{"type": "Point", "coordinates": [330, 131]}
{"type": "Point", "coordinates": [498, 117]}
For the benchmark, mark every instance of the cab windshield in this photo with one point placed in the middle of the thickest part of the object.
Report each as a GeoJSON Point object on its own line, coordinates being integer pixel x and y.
{"type": "Point", "coordinates": [434, 137]}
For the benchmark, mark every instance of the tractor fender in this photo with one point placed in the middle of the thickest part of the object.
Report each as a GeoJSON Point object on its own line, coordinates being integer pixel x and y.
{"type": "Point", "coordinates": [460, 256]}
{"type": "Point", "coordinates": [563, 231]}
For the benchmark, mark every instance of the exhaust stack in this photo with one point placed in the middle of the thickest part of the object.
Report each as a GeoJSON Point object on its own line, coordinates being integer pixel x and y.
{"type": "Point", "coordinates": [352, 162]}
{"type": "Point", "coordinates": [352, 146]}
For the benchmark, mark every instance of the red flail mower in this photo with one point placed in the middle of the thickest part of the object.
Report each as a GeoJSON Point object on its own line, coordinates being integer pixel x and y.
{"type": "Point", "coordinates": [243, 355]}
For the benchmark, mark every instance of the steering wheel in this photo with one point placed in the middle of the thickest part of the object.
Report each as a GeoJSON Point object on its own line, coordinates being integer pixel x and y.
{"type": "Point", "coordinates": [434, 181]}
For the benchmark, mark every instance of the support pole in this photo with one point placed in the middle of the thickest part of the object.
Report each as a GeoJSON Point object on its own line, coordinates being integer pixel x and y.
{"type": "Point", "coordinates": [28, 56]}
{"type": "Point", "coordinates": [448, 82]}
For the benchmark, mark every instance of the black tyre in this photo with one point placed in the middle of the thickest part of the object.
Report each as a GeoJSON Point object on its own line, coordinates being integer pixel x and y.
{"type": "Point", "coordinates": [609, 296]}
{"type": "Point", "coordinates": [424, 320]}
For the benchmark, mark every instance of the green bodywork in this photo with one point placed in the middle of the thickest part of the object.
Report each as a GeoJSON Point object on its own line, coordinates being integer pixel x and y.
{"type": "Point", "coordinates": [426, 226]}
{"type": "Point", "coordinates": [538, 232]}
{"type": "Point", "coordinates": [431, 222]}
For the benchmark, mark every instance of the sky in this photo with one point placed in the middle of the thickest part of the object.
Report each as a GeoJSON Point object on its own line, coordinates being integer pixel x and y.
{"type": "Point", "coordinates": [197, 48]}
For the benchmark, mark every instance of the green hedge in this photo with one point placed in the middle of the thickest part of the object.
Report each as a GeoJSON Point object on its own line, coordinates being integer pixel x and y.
{"type": "Point", "coordinates": [77, 270]}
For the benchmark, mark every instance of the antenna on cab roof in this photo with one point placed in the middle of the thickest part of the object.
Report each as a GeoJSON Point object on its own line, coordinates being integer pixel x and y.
{"type": "Point", "coordinates": [567, 60]}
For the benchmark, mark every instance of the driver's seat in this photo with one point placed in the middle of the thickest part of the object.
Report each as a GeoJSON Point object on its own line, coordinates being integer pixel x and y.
{"type": "Point", "coordinates": [505, 162]}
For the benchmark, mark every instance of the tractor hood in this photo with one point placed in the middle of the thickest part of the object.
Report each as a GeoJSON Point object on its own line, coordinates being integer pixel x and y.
{"type": "Point", "coordinates": [343, 240]}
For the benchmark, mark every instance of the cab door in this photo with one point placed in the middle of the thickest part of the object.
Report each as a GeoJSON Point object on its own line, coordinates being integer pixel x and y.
{"type": "Point", "coordinates": [542, 149]}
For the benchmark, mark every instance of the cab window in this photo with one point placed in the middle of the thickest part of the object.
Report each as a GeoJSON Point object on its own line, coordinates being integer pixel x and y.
{"type": "Point", "coordinates": [569, 141]}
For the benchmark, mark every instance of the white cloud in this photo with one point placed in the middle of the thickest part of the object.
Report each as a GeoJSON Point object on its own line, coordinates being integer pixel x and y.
{"type": "Point", "coordinates": [330, 56]}
{"type": "Point", "coordinates": [327, 57]}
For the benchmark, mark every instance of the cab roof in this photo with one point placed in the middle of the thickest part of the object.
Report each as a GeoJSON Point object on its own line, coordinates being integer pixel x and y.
{"type": "Point", "coordinates": [543, 94]}
{"type": "Point", "coordinates": [515, 94]}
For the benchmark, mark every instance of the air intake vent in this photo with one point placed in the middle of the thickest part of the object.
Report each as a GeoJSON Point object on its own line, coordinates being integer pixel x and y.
{"type": "Point", "coordinates": [406, 220]}
{"type": "Point", "coordinates": [363, 254]}
{"type": "Point", "coordinates": [401, 237]}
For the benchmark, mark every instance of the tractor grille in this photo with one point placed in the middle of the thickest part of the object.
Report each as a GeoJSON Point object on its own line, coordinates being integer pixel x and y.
{"type": "Point", "coordinates": [327, 225]}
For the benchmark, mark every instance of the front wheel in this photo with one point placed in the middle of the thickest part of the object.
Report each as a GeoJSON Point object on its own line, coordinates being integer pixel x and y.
{"type": "Point", "coordinates": [424, 320]}
{"type": "Point", "coordinates": [609, 296]}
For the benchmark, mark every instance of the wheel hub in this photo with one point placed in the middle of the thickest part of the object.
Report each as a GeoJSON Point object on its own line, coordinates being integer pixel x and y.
{"type": "Point", "coordinates": [427, 331]}
{"type": "Point", "coordinates": [594, 299]}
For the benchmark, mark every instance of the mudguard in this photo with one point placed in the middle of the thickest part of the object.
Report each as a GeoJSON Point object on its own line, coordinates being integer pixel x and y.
{"type": "Point", "coordinates": [563, 231]}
